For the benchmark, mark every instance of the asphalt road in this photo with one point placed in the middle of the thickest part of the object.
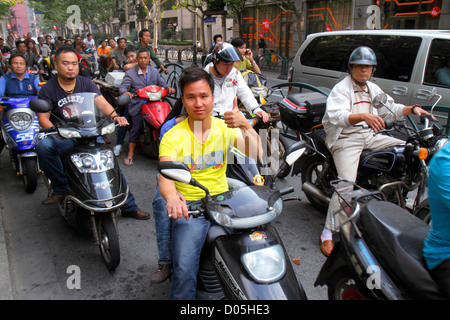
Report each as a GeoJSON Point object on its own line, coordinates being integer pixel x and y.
{"type": "Point", "coordinates": [40, 253]}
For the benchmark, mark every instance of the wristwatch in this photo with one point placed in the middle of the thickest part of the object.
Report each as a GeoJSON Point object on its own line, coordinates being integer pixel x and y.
{"type": "Point", "coordinates": [413, 107]}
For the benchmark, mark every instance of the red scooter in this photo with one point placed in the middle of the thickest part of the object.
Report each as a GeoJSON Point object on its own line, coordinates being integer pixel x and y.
{"type": "Point", "coordinates": [154, 111]}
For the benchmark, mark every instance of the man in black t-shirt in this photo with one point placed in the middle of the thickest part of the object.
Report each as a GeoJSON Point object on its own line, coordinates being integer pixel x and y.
{"type": "Point", "coordinates": [52, 147]}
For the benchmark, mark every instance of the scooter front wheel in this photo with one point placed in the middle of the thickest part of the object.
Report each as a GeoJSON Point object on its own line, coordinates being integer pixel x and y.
{"type": "Point", "coordinates": [30, 174]}
{"type": "Point", "coordinates": [108, 240]}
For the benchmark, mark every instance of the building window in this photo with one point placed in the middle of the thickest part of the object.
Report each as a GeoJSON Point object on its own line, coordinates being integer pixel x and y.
{"type": "Point", "coordinates": [408, 14]}
{"type": "Point", "coordinates": [328, 16]}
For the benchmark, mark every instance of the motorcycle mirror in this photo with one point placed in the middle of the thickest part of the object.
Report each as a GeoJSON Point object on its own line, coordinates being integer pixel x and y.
{"type": "Point", "coordinates": [40, 106]}
{"type": "Point", "coordinates": [174, 170]}
{"type": "Point", "coordinates": [123, 100]}
{"type": "Point", "coordinates": [295, 151]}
{"type": "Point", "coordinates": [380, 100]}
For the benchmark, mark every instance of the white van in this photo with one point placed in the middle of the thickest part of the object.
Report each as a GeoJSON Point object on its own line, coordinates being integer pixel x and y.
{"type": "Point", "coordinates": [407, 61]}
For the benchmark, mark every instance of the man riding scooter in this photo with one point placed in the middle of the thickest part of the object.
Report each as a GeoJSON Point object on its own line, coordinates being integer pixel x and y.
{"type": "Point", "coordinates": [208, 162]}
{"type": "Point", "coordinates": [55, 91]}
{"type": "Point", "coordinates": [349, 105]}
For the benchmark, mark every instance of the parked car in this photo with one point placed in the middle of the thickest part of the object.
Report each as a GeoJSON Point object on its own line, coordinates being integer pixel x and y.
{"type": "Point", "coordinates": [408, 61]}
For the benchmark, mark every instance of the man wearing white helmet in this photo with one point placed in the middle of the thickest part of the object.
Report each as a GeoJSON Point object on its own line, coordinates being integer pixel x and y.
{"type": "Point", "coordinates": [350, 104]}
{"type": "Point", "coordinates": [229, 82]}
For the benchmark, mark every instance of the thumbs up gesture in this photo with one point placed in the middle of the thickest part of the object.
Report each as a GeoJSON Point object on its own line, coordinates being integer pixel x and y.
{"type": "Point", "coordinates": [234, 118]}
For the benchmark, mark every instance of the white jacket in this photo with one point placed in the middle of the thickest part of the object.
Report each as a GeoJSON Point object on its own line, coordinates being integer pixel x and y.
{"type": "Point", "coordinates": [233, 85]}
{"type": "Point", "coordinates": [340, 105]}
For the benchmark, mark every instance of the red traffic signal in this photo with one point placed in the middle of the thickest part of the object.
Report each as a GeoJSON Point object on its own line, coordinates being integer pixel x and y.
{"type": "Point", "coordinates": [55, 27]}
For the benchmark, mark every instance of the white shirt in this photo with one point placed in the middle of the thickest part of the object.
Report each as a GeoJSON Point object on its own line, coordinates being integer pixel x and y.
{"type": "Point", "coordinates": [227, 88]}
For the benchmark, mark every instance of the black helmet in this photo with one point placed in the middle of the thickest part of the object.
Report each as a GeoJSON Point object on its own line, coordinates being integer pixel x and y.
{"type": "Point", "coordinates": [363, 55]}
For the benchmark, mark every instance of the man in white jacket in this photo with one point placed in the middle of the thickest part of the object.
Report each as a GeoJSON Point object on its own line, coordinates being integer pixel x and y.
{"type": "Point", "coordinates": [350, 104]}
{"type": "Point", "coordinates": [229, 82]}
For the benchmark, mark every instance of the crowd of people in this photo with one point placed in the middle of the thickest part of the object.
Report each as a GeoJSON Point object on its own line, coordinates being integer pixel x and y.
{"type": "Point", "coordinates": [206, 92]}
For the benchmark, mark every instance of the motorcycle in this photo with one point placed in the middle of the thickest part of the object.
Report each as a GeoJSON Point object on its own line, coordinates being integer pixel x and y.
{"type": "Point", "coordinates": [154, 112]}
{"type": "Point", "coordinates": [18, 126]}
{"type": "Point", "coordinates": [395, 171]}
{"type": "Point", "coordinates": [379, 252]}
{"type": "Point", "coordinates": [243, 256]}
{"type": "Point", "coordinates": [93, 173]}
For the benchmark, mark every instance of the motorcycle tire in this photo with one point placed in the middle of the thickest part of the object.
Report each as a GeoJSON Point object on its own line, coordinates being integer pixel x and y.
{"type": "Point", "coordinates": [108, 240]}
{"type": "Point", "coordinates": [342, 286]}
{"type": "Point", "coordinates": [312, 167]}
{"type": "Point", "coordinates": [30, 174]}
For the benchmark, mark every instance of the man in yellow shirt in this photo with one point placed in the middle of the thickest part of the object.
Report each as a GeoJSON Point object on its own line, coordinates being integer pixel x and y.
{"type": "Point", "coordinates": [201, 142]}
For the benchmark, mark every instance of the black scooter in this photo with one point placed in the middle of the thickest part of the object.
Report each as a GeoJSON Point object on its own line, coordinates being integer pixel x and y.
{"type": "Point", "coordinates": [93, 173]}
{"type": "Point", "coordinates": [379, 252]}
{"type": "Point", "coordinates": [243, 256]}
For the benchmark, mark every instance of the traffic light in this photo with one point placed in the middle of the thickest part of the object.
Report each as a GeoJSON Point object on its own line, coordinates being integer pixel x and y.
{"type": "Point", "coordinates": [55, 27]}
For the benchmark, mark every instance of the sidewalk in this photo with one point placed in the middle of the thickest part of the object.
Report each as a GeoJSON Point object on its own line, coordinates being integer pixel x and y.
{"type": "Point", "coordinates": [5, 278]}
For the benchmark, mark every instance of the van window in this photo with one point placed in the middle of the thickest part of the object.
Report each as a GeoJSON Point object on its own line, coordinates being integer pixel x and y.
{"type": "Point", "coordinates": [395, 54]}
{"type": "Point", "coordinates": [437, 71]}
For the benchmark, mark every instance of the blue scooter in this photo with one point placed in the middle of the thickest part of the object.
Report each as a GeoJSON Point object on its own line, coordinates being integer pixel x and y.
{"type": "Point", "coordinates": [18, 125]}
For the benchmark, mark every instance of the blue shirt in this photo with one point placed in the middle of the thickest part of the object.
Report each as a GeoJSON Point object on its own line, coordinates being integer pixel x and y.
{"type": "Point", "coordinates": [437, 244]}
{"type": "Point", "coordinates": [10, 86]}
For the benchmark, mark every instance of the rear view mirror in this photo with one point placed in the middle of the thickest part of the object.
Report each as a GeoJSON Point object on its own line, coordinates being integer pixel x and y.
{"type": "Point", "coordinates": [176, 171]}
{"type": "Point", "coordinates": [40, 106]}
{"type": "Point", "coordinates": [123, 100]}
{"type": "Point", "coordinates": [379, 101]}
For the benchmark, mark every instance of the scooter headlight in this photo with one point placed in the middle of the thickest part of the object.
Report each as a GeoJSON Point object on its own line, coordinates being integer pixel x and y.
{"type": "Point", "coordinates": [265, 265]}
{"type": "Point", "coordinates": [110, 128]}
{"type": "Point", "coordinates": [154, 96]}
{"type": "Point", "coordinates": [93, 163]}
{"type": "Point", "coordinates": [225, 220]}
{"type": "Point", "coordinates": [21, 121]}
{"type": "Point", "coordinates": [68, 133]}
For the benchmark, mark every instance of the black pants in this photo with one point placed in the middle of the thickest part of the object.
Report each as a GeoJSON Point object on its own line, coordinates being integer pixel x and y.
{"type": "Point", "coordinates": [441, 274]}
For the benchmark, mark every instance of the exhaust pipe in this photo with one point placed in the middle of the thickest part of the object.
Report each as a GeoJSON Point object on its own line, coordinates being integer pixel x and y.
{"type": "Point", "coordinates": [315, 192]}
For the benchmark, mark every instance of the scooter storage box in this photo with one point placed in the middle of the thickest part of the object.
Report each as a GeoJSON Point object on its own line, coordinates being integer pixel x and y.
{"type": "Point", "coordinates": [302, 111]}
{"type": "Point", "coordinates": [114, 78]}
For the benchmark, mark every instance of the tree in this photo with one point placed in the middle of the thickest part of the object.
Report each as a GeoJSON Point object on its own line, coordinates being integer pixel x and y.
{"type": "Point", "coordinates": [297, 11]}
{"type": "Point", "coordinates": [5, 6]}
{"type": "Point", "coordinates": [154, 11]}
{"type": "Point", "coordinates": [198, 8]}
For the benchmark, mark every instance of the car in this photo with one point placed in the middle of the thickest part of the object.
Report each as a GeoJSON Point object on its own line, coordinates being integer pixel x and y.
{"type": "Point", "coordinates": [407, 61]}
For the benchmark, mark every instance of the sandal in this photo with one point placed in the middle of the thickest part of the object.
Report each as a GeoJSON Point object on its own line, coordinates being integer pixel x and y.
{"type": "Point", "coordinates": [128, 161]}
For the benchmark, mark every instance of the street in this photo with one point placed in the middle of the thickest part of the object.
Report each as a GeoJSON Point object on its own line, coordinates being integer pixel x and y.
{"type": "Point", "coordinates": [44, 253]}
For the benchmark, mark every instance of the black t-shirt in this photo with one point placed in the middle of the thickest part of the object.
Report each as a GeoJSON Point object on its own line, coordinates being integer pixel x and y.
{"type": "Point", "coordinates": [56, 96]}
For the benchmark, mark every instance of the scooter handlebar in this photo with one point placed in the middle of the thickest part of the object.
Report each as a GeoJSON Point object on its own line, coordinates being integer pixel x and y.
{"type": "Point", "coordinates": [287, 190]}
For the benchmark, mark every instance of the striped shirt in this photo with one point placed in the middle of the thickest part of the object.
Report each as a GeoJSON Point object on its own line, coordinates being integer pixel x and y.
{"type": "Point", "coordinates": [362, 103]}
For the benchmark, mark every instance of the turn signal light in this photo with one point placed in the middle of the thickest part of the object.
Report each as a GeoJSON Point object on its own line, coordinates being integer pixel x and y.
{"type": "Point", "coordinates": [423, 153]}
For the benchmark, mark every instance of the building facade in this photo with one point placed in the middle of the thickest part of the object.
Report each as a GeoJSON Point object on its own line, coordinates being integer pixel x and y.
{"type": "Point", "coordinates": [284, 31]}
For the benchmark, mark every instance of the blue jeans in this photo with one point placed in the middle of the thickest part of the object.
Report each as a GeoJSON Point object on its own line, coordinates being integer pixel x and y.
{"type": "Point", "coordinates": [122, 131]}
{"type": "Point", "coordinates": [49, 152]}
{"type": "Point", "coordinates": [163, 225]}
{"type": "Point", "coordinates": [188, 238]}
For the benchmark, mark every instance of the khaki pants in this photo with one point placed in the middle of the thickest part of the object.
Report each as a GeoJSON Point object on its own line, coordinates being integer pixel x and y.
{"type": "Point", "coordinates": [346, 153]}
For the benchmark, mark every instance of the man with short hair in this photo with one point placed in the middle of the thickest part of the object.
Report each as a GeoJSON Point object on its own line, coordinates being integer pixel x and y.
{"type": "Point", "coordinates": [213, 136]}
{"type": "Point", "coordinates": [31, 58]}
{"type": "Point", "coordinates": [118, 54]}
{"type": "Point", "coordinates": [18, 83]}
{"type": "Point", "coordinates": [42, 48]}
{"type": "Point", "coordinates": [52, 147]}
{"type": "Point", "coordinates": [144, 42]}
{"type": "Point", "coordinates": [136, 78]}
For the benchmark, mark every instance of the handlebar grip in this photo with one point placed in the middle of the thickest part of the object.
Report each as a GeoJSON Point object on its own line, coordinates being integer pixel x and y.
{"type": "Point", "coordinates": [389, 124]}
{"type": "Point", "coordinates": [46, 130]}
{"type": "Point", "coordinates": [286, 190]}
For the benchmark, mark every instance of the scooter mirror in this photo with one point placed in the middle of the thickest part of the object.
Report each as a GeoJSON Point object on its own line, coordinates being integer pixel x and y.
{"type": "Point", "coordinates": [174, 170]}
{"type": "Point", "coordinates": [40, 106]}
{"type": "Point", "coordinates": [380, 100]}
{"type": "Point", "coordinates": [123, 100]}
{"type": "Point", "coordinates": [295, 151]}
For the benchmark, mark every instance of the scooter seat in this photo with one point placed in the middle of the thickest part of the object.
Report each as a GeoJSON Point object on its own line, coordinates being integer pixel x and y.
{"type": "Point", "coordinates": [396, 237]}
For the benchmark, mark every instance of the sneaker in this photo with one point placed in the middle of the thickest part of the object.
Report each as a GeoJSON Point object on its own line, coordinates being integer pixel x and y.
{"type": "Point", "coordinates": [117, 149]}
{"type": "Point", "coordinates": [161, 275]}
